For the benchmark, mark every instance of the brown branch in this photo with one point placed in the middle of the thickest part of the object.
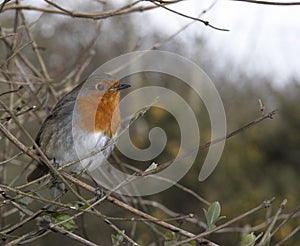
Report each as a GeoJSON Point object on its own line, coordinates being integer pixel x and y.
{"type": "Point", "coordinates": [267, 233]}
{"type": "Point", "coordinates": [93, 15]}
{"type": "Point", "coordinates": [34, 235]}
{"type": "Point", "coordinates": [22, 222]}
{"type": "Point", "coordinates": [2, 5]}
{"type": "Point", "coordinates": [11, 158]}
{"type": "Point", "coordinates": [23, 58]}
{"type": "Point", "coordinates": [288, 236]}
{"type": "Point", "coordinates": [13, 91]}
{"type": "Point", "coordinates": [265, 204]}
{"type": "Point", "coordinates": [21, 238]}
{"type": "Point", "coordinates": [206, 145]}
{"type": "Point", "coordinates": [206, 23]}
{"type": "Point", "coordinates": [259, 227]}
{"type": "Point", "coordinates": [157, 45]}
{"type": "Point", "coordinates": [136, 211]}
{"type": "Point", "coordinates": [72, 236]}
{"type": "Point", "coordinates": [291, 215]}
{"type": "Point", "coordinates": [15, 52]}
{"type": "Point", "coordinates": [245, 127]}
{"type": "Point", "coordinates": [121, 232]}
{"type": "Point", "coordinates": [37, 53]}
{"type": "Point", "coordinates": [59, 7]}
{"type": "Point", "coordinates": [53, 227]}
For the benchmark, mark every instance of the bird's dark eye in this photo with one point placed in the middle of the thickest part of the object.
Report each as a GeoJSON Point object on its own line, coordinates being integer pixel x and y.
{"type": "Point", "coordinates": [100, 87]}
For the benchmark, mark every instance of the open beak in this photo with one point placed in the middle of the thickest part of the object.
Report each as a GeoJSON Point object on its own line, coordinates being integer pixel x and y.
{"type": "Point", "coordinates": [121, 87]}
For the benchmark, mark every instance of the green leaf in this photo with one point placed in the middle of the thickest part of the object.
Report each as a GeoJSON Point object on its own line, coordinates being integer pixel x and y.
{"type": "Point", "coordinates": [249, 239]}
{"type": "Point", "coordinates": [69, 225]}
{"type": "Point", "coordinates": [84, 207]}
{"type": "Point", "coordinates": [212, 215]}
{"type": "Point", "coordinates": [117, 239]}
{"type": "Point", "coordinates": [170, 238]}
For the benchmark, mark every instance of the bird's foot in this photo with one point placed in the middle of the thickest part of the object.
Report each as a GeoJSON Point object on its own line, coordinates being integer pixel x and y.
{"type": "Point", "coordinates": [99, 192]}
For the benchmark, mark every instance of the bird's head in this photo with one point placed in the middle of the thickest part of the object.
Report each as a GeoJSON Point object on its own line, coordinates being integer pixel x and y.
{"type": "Point", "coordinates": [99, 106]}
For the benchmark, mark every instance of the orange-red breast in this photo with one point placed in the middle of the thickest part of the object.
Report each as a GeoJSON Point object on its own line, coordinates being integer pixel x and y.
{"type": "Point", "coordinates": [97, 107]}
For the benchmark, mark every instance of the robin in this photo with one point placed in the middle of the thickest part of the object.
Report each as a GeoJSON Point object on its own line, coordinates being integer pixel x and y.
{"type": "Point", "coordinates": [88, 116]}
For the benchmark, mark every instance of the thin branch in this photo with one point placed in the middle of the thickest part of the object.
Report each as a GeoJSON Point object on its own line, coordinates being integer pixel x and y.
{"type": "Point", "coordinates": [269, 229]}
{"type": "Point", "coordinates": [24, 237]}
{"type": "Point", "coordinates": [72, 236]}
{"type": "Point", "coordinates": [12, 91]}
{"type": "Point", "coordinates": [93, 15]}
{"type": "Point", "coordinates": [288, 236]}
{"type": "Point", "coordinates": [38, 54]}
{"type": "Point", "coordinates": [34, 197]}
{"type": "Point", "coordinates": [206, 23]}
{"type": "Point", "coordinates": [162, 166]}
{"type": "Point", "coordinates": [135, 211]}
{"type": "Point", "coordinates": [206, 145]}
{"type": "Point", "coordinates": [291, 215]}
{"type": "Point", "coordinates": [121, 232]}
{"type": "Point", "coordinates": [159, 44]}
{"type": "Point", "coordinates": [11, 158]}
{"type": "Point", "coordinates": [22, 222]}
{"type": "Point", "coordinates": [23, 58]}
{"type": "Point", "coordinates": [15, 52]}
{"type": "Point", "coordinates": [265, 204]}
{"type": "Point", "coordinates": [20, 113]}
{"type": "Point", "coordinates": [2, 5]}
{"type": "Point", "coordinates": [59, 7]}
{"type": "Point", "coordinates": [245, 127]}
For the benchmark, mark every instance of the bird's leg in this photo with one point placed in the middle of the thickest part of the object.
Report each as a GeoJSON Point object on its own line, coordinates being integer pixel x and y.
{"type": "Point", "coordinates": [99, 190]}
{"type": "Point", "coordinates": [57, 187]}
{"type": "Point", "coordinates": [56, 166]}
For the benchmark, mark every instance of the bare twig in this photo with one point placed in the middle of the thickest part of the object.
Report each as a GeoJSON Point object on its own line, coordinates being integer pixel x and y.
{"type": "Point", "coordinates": [11, 158]}
{"type": "Point", "coordinates": [247, 126]}
{"type": "Point", "coordinates": [37, 53]}
{"type": "Point", "coordinates": [3, 4]}
{"type": "Point", "coordinates": [121, 233]}
{"type": "Point", "coordinates": [288, 236]}
{"type": "Point", "coordinates": [134, 210]}
{"type": "Point", "coordinates": [265, 204]}
{"type": "Point", "coordinates": [291, 215]}
{"type": "Point", "coordinates": [72, 236]}
{"type": "Point", "coordinates": [206, 23]}
{"type": "Point", "coordinates": [92, 15]}
{"type": "Point", "coordinates": [267, 233]}
{"type": "Point", "coordinates": [13, 91]}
